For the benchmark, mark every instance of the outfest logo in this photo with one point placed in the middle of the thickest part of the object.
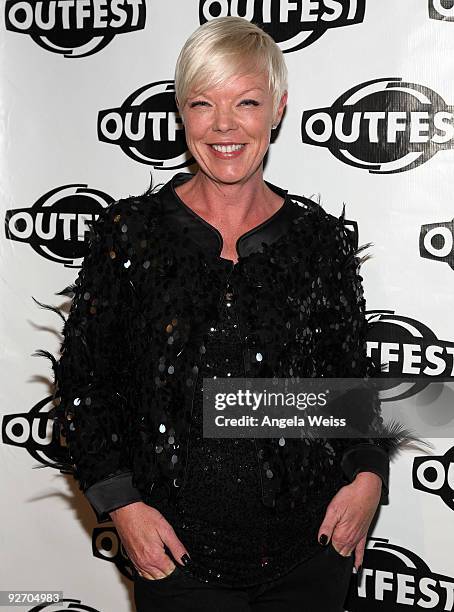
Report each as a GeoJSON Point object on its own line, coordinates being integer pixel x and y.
{"type": "Point", "coordinates": [384, 126]}
{"type": "Point", "coordinates": [37, 433]}
{"type": "Point", "coordinates": [147, 127]}
{"type": "Point", "coordinates": [410, 350]}
{"type": "Point", "coordinates": [34, 431]}
{"type": "Point", "coordinates": [107, 545]}
{"type": "Point", "coordinates": [435, 475]}
{"type": "Point", "coordinates": [441, 9]}
{"type": "Point", "coordinates": [74, 28]}
{"type": "Point", "coordinates": [293, 25]}
{"type": "Point", "coordinates": [67, 603]}
{"type": "Point", "coordinates": [57, 224]}
{"type": "Point", "coordinates": [436, 242]}
{"type": "Point", "coordinates": [395, 579]}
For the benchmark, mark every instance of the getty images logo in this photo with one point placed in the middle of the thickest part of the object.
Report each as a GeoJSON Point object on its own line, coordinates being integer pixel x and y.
{"type": "Point", "coordinates": [147, 127]}
{"type": "Point", "coordinates": [56, 225]}
{"type": "Point", "coordinates": [441, 9]}
{"type": "Point", "coordinates": [383, 126]}
{"type": "Point", "coordinates": [436, 241]}
{"type": "Point", "coordinates": [293, 25]}
{"type": "Point", "coordinates": [74, 28]}
{"type": "Point", "coordinates": [395, 579]}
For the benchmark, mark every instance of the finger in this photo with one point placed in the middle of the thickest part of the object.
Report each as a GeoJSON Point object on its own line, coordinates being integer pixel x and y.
{"type": "Point", "coordinates": [327, 527]}
{"type": "Point", "coordinates": [165, 566]}
{"type": "Point", "coordinates": [342, 548]}
{"type": "Point", "coordinates": [157, 565]}
{"type": "Point", "coordinates": [359, 552]}
{"type": "Point", "coordinates": [346, 550]}
{"type": "Point", "coordinates": [174, 545]}
{"type": "Point", "coordinates": [156, 573]}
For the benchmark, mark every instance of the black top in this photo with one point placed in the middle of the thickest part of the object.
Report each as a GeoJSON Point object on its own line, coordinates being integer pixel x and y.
{"type": "Point", "coordinates": [149, 319]}
{"type": "Point", "coordinates": [231, 536]}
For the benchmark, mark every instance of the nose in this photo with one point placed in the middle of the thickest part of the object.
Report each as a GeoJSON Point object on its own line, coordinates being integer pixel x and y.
{"type": "Point", "coordinates": [224, 120]}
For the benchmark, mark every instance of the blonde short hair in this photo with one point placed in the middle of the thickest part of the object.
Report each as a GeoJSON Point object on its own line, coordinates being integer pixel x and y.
{"type": "Point", "coordinates": [226, 47]}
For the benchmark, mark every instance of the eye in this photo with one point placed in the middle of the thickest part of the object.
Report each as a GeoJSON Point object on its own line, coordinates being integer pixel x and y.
{"type": "Point", "coordinates": [250, 102]}
{"type": "Point", "coordinates": [197, 103]}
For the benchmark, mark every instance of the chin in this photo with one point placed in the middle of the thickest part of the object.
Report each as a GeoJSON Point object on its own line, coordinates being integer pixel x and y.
{"type": "Point", "coordinates": [231, 180]}
{"type": "Point", "coordinates": [230, 177]}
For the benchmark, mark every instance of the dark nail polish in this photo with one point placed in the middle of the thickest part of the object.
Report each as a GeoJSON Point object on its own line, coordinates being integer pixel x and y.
{"type": "Point", "coordinates": [323, 539]}
{"type": "Point", "coordinates": [360, 570]}
{"type": "Point", "coordinates": [185, 559]}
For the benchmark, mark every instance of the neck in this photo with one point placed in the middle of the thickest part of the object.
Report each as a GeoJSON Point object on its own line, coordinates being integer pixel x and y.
{"type": "Point", "coordinates": [230, 205]}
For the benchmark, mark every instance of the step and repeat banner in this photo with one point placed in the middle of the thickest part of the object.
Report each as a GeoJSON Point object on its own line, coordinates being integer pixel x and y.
{"type": "Point", "coordinates": [88, 116]}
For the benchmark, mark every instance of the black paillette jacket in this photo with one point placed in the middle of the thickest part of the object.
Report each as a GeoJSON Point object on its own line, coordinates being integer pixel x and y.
{"type": "Point", "coordinates": [149, 292]}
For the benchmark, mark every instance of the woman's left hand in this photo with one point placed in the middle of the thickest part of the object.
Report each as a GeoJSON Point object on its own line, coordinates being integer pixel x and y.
{"type": "Point", "coordinates": [350, 513]}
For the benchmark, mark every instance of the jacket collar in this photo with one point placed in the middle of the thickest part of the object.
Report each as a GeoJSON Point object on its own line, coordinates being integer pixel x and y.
{"type": "Point", "coordinates": [176, 212]}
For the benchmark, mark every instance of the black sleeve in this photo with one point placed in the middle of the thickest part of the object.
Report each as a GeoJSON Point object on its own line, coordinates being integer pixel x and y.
{"type": "Point", "coordinates": [340, 351]}
{"type": "Point", "coordinates": [93, 375]}
{"type": "Point", "coordinates": [112, 493]}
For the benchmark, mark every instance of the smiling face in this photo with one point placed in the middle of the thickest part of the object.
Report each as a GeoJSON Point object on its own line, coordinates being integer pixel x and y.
{"type": "Point", "coordinates": [228, 127]}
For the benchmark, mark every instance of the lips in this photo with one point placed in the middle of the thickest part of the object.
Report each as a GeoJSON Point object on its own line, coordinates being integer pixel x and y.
{"type": "Point", "coordinates": [227, 148]}
{"type": "Point", "coordinates": [224, 151]}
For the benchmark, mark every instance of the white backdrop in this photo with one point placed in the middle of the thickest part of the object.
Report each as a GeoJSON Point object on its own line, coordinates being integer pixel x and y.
{"type": "Point", "coordinates": [56, 167]}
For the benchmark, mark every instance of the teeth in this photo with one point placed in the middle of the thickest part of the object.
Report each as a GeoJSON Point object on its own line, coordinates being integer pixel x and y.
{"type": "Point", "coordinates": [228, 148]}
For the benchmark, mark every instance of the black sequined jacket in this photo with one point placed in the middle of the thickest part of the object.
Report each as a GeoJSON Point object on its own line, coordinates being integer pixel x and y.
{"type": "Point", "coordinates": [148, 291]}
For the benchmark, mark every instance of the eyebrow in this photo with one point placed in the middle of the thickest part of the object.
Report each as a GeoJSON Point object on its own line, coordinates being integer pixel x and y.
{"type": "Point", "coordinates": [241, 94]}
{"type": "Point", "coordinates": [252, 89]}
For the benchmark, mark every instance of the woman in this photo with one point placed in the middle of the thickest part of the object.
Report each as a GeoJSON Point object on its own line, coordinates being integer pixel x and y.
{"type": "Point", "coordinates": [220, 274]}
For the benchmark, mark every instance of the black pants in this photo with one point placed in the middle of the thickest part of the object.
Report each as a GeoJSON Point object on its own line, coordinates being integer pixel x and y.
{"type": "Point", "coordinates": [318, 584]}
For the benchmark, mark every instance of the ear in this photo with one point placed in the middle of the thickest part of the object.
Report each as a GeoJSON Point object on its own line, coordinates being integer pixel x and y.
{"type": "Point", "coordinates": [282, 105]}
{"type": "Point", "coordinates": [179, 110]}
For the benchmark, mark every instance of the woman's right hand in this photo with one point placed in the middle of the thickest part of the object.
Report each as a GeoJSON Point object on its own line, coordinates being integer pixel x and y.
{"type": "Point", "coordinates": [143, 531]}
